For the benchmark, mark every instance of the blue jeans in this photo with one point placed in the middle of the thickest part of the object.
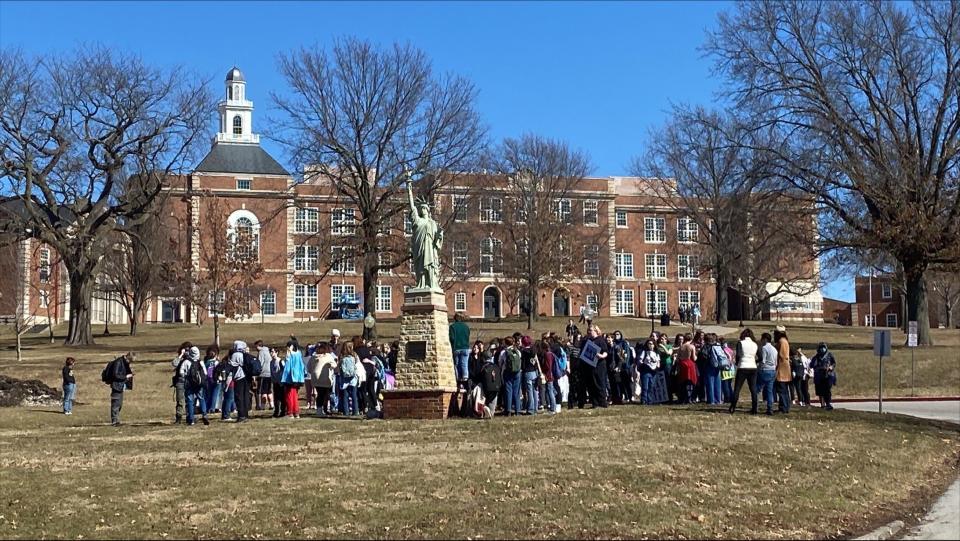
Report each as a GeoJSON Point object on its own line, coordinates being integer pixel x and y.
{"type": "Point", "coordinates": [461, 359]}
{"type": "Point", "coordinates": [193, 395]}
{"type": "Point", "coordinates": [348, 398]}
{"type": "Point", "coordinates": [712, 386]}
{"type": "Point", "coordinates": [726, 385]}
{"type": "Point", "coordinates": [335, 395]}
{"type": "Point", "coordinates": [228, 404]}
{"type": "Point", "coordinates": [512, 382]}
{"type": "Point", "coordinates": [646, 385]}
{"type": "Point", "coordinates": [765, 384]}
{"type": "Point", "coordinates": [531, 382]}
{"type": "Point", "coordinates": [214, 393]}
{"type": "Point", "coordinates": [550, 393]}
{"type": "Point", "coordinates": [69, 391]}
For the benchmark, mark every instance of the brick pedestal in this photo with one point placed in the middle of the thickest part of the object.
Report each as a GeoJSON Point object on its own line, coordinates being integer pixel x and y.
{"type": "Point", "coordinates": [425, 376]}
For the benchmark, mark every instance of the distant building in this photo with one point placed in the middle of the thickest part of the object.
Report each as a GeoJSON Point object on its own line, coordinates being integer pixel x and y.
{"type": "Point", "coordinates": [888, 302]}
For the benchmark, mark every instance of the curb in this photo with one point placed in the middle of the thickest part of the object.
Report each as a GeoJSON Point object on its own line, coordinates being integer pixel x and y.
{"type": "Point", "coordinates": [884, 532]}
{"type": "Point", "coordinates": [901, 399]}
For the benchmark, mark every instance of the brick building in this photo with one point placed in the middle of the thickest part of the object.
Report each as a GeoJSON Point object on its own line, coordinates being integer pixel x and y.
{"type": "Point", "coordinates": [889, 304]}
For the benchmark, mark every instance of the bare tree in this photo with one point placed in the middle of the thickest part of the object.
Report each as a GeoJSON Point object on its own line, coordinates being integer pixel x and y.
{"type": "Point", "coordinates": [74, 131]}
{"type": "Point", "coordinates": [541, 174]}
{"type": "Point", "coordinates": [866, 97]}
{"type": "Point", "coordinates": [945, 285]}
{"type": "Point", "coordinates": [361, 117]}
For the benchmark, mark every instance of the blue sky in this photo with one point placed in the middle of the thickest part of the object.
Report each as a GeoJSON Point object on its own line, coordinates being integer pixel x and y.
{"type": "Point", "coordinates": [598, 75]}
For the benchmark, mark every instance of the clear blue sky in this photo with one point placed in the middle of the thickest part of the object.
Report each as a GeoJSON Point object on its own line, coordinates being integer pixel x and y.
{"type": "Point", "coordinates": [597, 75]}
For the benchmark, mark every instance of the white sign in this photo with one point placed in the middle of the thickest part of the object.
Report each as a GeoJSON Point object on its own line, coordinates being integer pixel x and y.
{"type": "Point", "coordinates": [589, 353]}
{"type": "Point", "coordinates": [912, 334]}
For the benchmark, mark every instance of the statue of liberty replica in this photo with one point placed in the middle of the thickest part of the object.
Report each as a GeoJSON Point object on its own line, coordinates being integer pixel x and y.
{"type": "Point", "coordinates": [425, 243]}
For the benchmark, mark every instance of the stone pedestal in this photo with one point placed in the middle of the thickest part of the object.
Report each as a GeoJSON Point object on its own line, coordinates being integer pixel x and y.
{"type": "Point", "coordinates": [425, 376]}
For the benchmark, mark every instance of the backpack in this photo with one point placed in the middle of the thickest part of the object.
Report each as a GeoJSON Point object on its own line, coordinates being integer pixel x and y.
{"type": "Point", "coordinates": [513, 360]}
{"type": "Point", "coordinates": [557, 370]}
{"type": "Point", "coordinates": [195, 375]}
{"type": "Point", "coordinates": [348, 367]}
{"type": "Point", "coordinates": [490, 377]}
{"type": "Point", "coordinates": [107, 375]}
{"type": "Point", "coordinates": [251, 366]}
{"type": "Point", "coordinates": [715, 361]}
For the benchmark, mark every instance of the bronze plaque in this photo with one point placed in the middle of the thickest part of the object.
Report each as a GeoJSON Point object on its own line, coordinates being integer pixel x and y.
{"type": "Point", "coordinates": [417, 350]}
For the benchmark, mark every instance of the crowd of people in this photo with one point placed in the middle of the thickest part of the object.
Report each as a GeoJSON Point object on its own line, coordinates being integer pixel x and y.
{"type": "Point", "coordinates": [512, 375]}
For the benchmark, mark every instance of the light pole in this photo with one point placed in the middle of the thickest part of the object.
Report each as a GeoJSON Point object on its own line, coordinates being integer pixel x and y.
{"type": "Point", "coordinates": [740, 292]}
{"type": "Point", "coordinates": [870, 318]}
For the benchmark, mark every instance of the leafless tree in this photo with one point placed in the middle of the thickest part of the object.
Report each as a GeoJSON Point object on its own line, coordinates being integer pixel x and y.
{"type": "Point", "coordinates": [945, 285]}
{"type": "Point", "coordinates": [866, 97]}
{"type": "Point", "coordinates": [361, 117]}
{"type": "Point", "coordinates": [74, 132]}
{"type": "Point", "coordinates": [541, 172]}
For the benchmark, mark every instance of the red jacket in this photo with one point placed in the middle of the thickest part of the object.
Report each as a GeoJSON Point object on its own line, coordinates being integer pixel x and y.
{"type": "Point", "coordinates": [546, 366]}
{"type": "Point", "coordinates": [687, 371]}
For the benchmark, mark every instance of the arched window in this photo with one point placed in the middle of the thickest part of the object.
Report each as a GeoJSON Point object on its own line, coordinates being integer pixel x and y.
{"type": "Point", "coordinates": [244, 235]}
{"type": "Point", "coordinates": [237, 125]}
{"type": "Point", "coordinates": [229, 92]}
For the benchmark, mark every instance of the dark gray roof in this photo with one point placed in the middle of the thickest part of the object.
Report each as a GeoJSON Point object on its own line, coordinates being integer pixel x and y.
{"type": "Point", "coordinates": [240, 158]}
{"type": "Point", "coordinates": [235, 75]}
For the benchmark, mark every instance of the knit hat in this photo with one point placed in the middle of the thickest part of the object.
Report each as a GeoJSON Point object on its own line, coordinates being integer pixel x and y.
{"type": "Point", "coordinates": [335, 332]}
{"type": "Point", "coordinates": [239, 345]}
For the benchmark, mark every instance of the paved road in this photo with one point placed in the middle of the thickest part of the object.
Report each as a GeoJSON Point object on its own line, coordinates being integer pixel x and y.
{"type": "Point", "coordinates": [943, 520]}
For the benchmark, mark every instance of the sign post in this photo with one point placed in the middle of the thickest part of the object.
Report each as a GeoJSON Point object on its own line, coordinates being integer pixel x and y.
{"type": "Point", "coordinates": [912, 344]}
{"type": "Point", "coordinates": [881, 348]}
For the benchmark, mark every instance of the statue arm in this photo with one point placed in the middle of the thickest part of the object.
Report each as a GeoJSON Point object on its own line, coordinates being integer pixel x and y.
{"type": "Point", "coordinates": [413, 204]}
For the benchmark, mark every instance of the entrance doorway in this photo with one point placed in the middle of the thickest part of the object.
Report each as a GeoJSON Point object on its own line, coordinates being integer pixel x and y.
{"type": "Point", "coordinates": [491, 303]}
{"type": "Point", "coordinates": [561, 302]}
{"type": "Point", "coordinates": [170, 312]}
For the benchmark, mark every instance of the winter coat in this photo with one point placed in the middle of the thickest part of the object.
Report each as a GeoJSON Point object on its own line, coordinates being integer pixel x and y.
{"type": "Point", "coordinates": [294, 373]}
{"type": "Point", "coordinates": [784, 373]}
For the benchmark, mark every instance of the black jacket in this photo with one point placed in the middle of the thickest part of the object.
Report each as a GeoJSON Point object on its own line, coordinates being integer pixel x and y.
{"type": "Point", "coordinates": [119, 368]}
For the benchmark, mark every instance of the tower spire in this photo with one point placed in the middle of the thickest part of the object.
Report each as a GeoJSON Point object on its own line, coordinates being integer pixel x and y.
{"type": "Point", "coordinates": [236, 112]}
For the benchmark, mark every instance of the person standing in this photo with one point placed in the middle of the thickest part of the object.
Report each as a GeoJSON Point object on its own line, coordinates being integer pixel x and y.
{"type": "Point", "coordinates": [69, 385]}
{"type": "Point", "coordinates": [177, 381]}
{"type": "Point", "coordinates": [264, 381]}
{"type": "Point", "coordinates": [460, 342]}
{"type": "Point", "coordinates": [824, 375]}
{"type": "Point", "coordinates": [746, 357]}
{"type": "Point", "coordinates": [594, 377]}
{"type": "Point", "coordinates": [276, 380]}
{"type": "Point", "coordinates": [324, 377]}
{"type": "Point", "coordinates": [686, 378]}
{"type": "Point", "coordinates": [716, 359]}
{"type": "Point", "coordinates": [729, 372]}
{"type": "Point", "coordinates": [213, 389]}
{"type": "Point", "coordinates": [648, 362]}
{"type": "Point", "coordinates": [547, 363]}
{"type": "Point", "coordinates": [292, 379]}
{"type": "Point", "coordinates": [768, 369]}
{"type": "Point", "coordinates": [803, 382]}
{"type": "Point", "coordinates": [239, 380]}
{"type": "Point", "coordinates": [784, 372]}
{"type": "Point", "coordinates": [193, 375]}
{"type": "Point", "coordinates": [119, 375]}
{"type": "Point", "coordinates": [512, 376]}
{"type": "Point", "coordinates": [349, 380]}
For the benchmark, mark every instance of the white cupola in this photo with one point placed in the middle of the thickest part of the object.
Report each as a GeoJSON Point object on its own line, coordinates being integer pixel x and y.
{"type": "Point", "coordinates": [236, 112]}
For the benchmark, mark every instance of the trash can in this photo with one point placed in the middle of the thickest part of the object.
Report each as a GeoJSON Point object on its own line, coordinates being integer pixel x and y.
{"type": "Point", "coordinates": [665, 320]}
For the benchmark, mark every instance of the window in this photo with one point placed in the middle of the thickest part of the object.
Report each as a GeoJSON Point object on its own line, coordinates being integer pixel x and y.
{"type": "Point", "coordinates": [385, 259]}
{"type": "Point", "coordinates": [870, 320]}
{"type": "Point", "coordinates": [460, 302]}
{"type": "Point", "coordinates": [591, 212]}
{"type": "Point", "coordinates": [654, 230]}
{"type": "Point", "coordinates": [891, 320]}
{"type": "Point", "coordinates": [307, 221]}
{"type": "Point", "coordinates": [44, 298]}
{"type": "Point", "coordinates": [656, 302]}
{"type": "Point", "coordinates": [520, 213]}
{"type": "Point", "coordinates": [623, 302]}
{"type": "Point", "coordinates": [306, 258]}
{"type": "Point", "coordinates": [384, 299]}
{"type": "Point", "coordinates": [305, 297]}
{"type": "Point", "coordinates": [491, 209]}
{"type": "Point", "coordinates": [687, 230]}
{"type": "Point", "coordinates": [340, 291]}
{"type": "Point", "coordinates": [591, 260]}
{"type": "Point", "coordinates": [564, 210]}
{"type": "Point", "coordinates": [689, 298]}
{"type": "Point", "coordinates": [593, 301]}
{"type": "Point", "coordinates": [268, 302]}
{"type": "Point", "coordinates": [656, 266]}
{"type": "Point", "coordinates": [215, 301]}
{"type": "Point", "coordinates": [491, 258]}
{"type": "Point", "coordinates": [624, 265]}
{"type": "Point", "coordinates": [621, 218]}
{"type": "Point", "coordinates": [459, 208]}
{"type": "Point", "coordinates": [245, 239]}
{"type": "Point", "coordinates": [460, 255]}
{"type": "Point", "coordinates": [341, 259]}
{"type": "Point", "coordinates": [44, 266]}
{"type": "Point", "coordinates": [688, 267]}
{"type": "Point", "coordinates": [237, 125]}
{"type": "Point", "coordinates": [886, 292]}
{"type": "Point", "coordinates": [342, 221]}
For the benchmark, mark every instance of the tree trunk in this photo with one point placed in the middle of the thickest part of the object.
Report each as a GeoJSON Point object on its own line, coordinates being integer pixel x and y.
{"type": "Point", "coordinates": [79, 332]}
{"type": "Point", "coordinates": [133, 326]}
{"type": "Point", "coordinates": [370, 283]}
{"type": "Point", "coordinates": [532, 307]}
{"type": "Point", "coordinates": [19, 332]}
{"type": "Point", "coordinates": [136, 308]}
{"type": "Point", "coordinates": [216, 328]}
{"type": "Point", "coordinates": [722, 299]}
{"type": "Point", "coordinates": [917, 307]}
{"type": "Point", "coordinates": [949, 316]}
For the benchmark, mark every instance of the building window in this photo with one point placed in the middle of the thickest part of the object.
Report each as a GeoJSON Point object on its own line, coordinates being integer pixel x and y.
{"type": "Point", "coordinates": [656, 266]}
{"type": "Point", "coordinates": [591, 260]}
{"type": "Point", "coordinates": [342, 221]}
{"type": "Point", "coordinates": [384, 298]}
{"type": "Point", "coordinates": [237, 125]}
{"type": "Point", "coordinates": [491, 209]}
{"type": "Point", "coordinates": [244, 184]}
{"type": "Point", "coordinates": [520, 213]}
{"type": "Point", "coordinates": [407, 223]}
{"type": "Point", "coordinates": [689, 298]}
{"type": "Point", "coordinates": [44, 266]}
{"type": "Point", "coordinates": [245, 239]}
{"type": "Point", "coordinates": [268, 302]}
{"type": "Point", "coordinates": [886, 292]}
{"type": "Point", "coordinates": [491, 257]}
{"type": "Point", "coordinates": [593, 301]}
{"type": "Point", "coordinates": [460, 254]}
{"type": "Point", "coordinates": [624, 265]}
{"type": "Point", "coordinates": [687, 230]}
{"type": "Point", "coordinates": [654, 230]}
{"type": "Point", "coordinates": [341, 260]}
{"type": "Point", "coordinates": [306, 258]}
{"type": "Point", "coordinates": [688, 267]}
{"type": "Point", "coordinates": [870, 320]}
{"type": "Point", "coordinates": [460, 208]}
{"type": "Point", "coordinates": [215, 301]}
{"type": "Point", "coordinates": [385, 260]}
{"type": "Point", "coordinates": [44, 298]}
{"type": "Point", "coordinates": [621, 218]}
{"type": "Point", "coordinates": [305, 297]}
{"type": "Point", "coordinates": [656, 302]}
{"type": "Point", "coordinates": [564, 211]}
{"type": "Point", "coordinates": [307, 220]}
{"type": "Point", "coordinates": [891, 320]}
{"type": "Point", "coordinates": [341, 291]}
{"type": "Point", "coordinates": [591, 212]}
{"type": "Point", "coordinates": [460, 302]}
{"type": "Point", "coordinates": [623, 302]}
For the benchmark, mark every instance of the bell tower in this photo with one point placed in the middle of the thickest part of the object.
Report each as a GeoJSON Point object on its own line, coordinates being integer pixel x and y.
{"type": "Point", "coordinates": [236, 112]}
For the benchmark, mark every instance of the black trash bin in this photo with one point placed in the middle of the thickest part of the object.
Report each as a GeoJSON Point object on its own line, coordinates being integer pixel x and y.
{"type": "Point", "coordinates": [665, 320]}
